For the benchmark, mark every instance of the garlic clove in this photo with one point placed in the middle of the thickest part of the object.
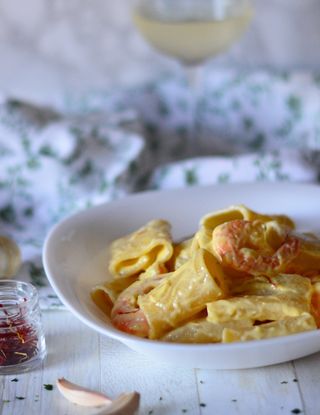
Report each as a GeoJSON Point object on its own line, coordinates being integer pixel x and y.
{"type": "Point", "coordinates": [125, 404]}
{"type": "Point", "coordinates": [81, 396]}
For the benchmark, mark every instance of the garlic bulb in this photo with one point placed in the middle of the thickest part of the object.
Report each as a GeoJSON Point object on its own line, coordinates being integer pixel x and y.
{"type": "Point", "coordinates": [10, 257]}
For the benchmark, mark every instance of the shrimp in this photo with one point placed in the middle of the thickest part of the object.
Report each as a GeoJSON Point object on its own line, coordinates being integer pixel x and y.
{"type": "Point", "coordinates": [245, 246]}
{"type": "Point", "coordinates": [126, 314]}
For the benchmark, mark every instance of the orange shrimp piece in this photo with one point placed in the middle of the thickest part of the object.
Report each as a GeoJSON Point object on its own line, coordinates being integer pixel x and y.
{"type": "Point", "coordinates": [244, 246]}
{"type": "Point", "coordinates": [126, 314]}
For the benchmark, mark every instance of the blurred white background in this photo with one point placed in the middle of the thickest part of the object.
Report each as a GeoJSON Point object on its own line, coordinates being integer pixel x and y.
{"type": "Point", "coordinates": [51, 47]}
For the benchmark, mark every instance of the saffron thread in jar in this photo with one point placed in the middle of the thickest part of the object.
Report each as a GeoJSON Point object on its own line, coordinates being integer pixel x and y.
{"type": "Point", "coordinates": [18, 340]}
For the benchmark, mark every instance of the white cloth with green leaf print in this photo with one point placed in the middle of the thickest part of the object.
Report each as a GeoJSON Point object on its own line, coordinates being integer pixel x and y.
{"type": "Point", "coordinates": [257, 126]}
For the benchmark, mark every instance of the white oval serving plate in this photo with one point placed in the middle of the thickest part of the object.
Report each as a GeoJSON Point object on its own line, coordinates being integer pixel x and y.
{"type": "Point", "coordinates": [75, 258]}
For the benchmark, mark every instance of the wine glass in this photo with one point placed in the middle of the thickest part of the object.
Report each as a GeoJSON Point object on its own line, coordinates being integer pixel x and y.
{"type": "Point", "coordinates": [192, 32]}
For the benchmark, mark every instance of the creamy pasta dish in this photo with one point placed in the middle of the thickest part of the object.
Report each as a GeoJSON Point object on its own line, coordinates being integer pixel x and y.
{"type": "Point", "coordinates": [242, 276]}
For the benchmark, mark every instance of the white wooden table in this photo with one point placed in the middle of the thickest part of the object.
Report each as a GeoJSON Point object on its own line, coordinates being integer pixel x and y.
{"type": "Point", "coordinates": [81, 355]}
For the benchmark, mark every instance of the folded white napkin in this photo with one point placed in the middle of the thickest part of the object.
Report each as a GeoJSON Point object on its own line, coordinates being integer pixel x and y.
{"type": "Point", "coordinates": [247, 127]}
{"type": "Point", "coordinates": [230, 112]}
{"type": "Point", "coordinates": [52, 166]}
{"type": "Point", "coordinates": [275, 165]}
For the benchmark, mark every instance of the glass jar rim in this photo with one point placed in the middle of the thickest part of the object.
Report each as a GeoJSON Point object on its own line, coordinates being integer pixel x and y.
{"type": "Point", "coordinates": [31, 294]}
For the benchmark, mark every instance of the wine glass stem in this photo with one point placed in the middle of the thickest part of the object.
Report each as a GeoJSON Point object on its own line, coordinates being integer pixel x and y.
{"type": "Point", "coordinates": [194, 78]}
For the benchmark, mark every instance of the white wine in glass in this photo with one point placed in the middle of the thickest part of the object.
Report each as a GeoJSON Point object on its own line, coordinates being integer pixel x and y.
{"type": "Point", "coordinates": [192, 31]}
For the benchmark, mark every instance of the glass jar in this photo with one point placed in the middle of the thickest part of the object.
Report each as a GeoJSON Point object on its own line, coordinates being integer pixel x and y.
{"type": "Point", "coordinates": [22, 342]}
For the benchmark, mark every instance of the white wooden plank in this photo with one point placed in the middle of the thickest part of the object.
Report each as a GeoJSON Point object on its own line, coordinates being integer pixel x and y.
{"type": "Point", "coordinates": [308, 377]}
{"type": "Point", "coordinates": [164, 389]}
{"type": "Point", "coordinates": [73, 353]}
{"type": "Point", "coordinates": [27, 387]}
{"type": "Point", "coordinates": [263, 391]}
